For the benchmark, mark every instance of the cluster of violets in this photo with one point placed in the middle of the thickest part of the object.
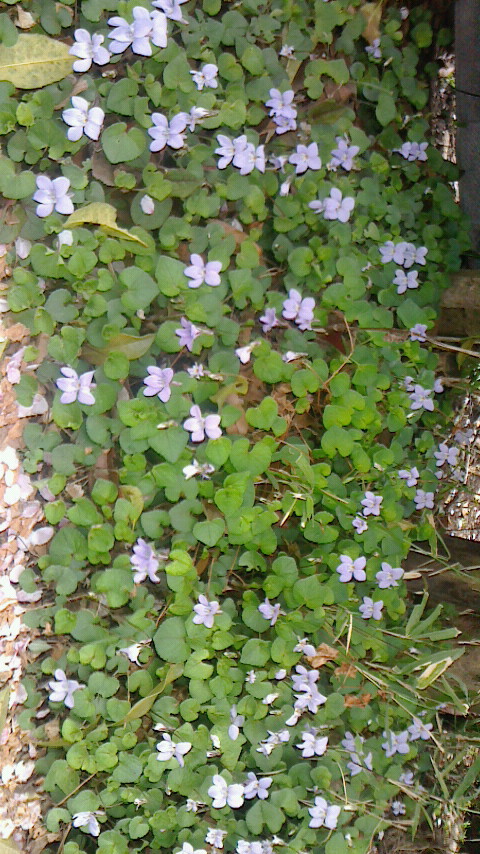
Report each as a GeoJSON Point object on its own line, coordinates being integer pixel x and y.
{"type": "Point", "coordinates": [84, 119]}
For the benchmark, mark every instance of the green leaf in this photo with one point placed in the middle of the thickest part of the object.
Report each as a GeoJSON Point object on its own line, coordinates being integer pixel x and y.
{"type": "Point", "coordinates": [35, 61]}
{"type": "Point", "coordinates": [386, 109]}
{"type": "Point", "coordinates": [121, 145]}
{"type": "Point", "coordinates": [170, 275]}
{"type": "Point", "coordinates": [169, 640]}
{"type": "Point", "coordinates": [337, 439]}
{"type": "Point", "coordinates": [256, 652]}
{"type": "Point", "coordinates": [142, 289]}
{"type": "Point", "coordinates": [209, 532]}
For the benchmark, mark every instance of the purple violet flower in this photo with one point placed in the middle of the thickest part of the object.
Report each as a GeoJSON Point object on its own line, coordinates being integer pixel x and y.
{"type": "Point", "coordinates": [305, 157]}
{"type": "Point", "coordinates": [269, 320]}
{"type": "Point", "coordinates": [158, 383]}
{"type": "Point", "coordinates": [388, 576]}
{"type": "Point", "coordinates": [298, 309]}
{"type": "Point", "coordinates": [371, 504]}
{"type": "Point", "coordinates": [348, 568]}
{"type": "Point", "coordinates": [200, 426]}
{"type": "Point", "coordinates": [421, 398]}
{"type": "Point", "coordinates": [144, 562]}
{"type": "Point", "coordinates": [199, 272]}
{"type": "Point", "coordinates": [370, 609]}
{"type": "Point", "coordinates": [187, 333]}
{"type": "Point", "coordinates": [165, 133]}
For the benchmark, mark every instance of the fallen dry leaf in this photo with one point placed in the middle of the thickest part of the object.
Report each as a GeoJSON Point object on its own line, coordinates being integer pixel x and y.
{"type": "Point", "coordinates": [347, 670]}
{"type": "Point", "coordinates": [323, 654]}
{"type": "Point", "coordinates": [353, 700]}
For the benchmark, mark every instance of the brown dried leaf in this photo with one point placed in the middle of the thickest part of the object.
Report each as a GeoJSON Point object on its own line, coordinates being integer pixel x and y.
{"type": "Point", "coordinates": [323, 654]}
{"type": "Point", "coordinates": [361, 701]}
{"type": "Point", "coordinates": [347, 670]}
{"type": "Point", "coordinates": [17, 332]}
{"type": "Point", "coordinates": [372, 12]}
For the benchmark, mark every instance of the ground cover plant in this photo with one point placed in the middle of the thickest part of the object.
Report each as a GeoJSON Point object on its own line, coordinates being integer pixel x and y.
{"type": "Point", "coordinates": [228, 222]}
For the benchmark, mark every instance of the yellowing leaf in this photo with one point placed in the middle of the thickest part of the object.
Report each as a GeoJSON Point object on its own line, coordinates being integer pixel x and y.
{"type": "Point", "coordinates": [133, 495]}
{"type": "Point", "coordinates": [434, 670]}
{"type": "Point", "coordinates": [34, 61]}
{"type": "Point", "coordinates": [145, 704]}
{"type": "Point", "coordinates": [8, 846]}
{"type": "Point", "coordinates": [372, 12]}
{"type": "Point", "coordinates": [132, 346]}
{"type": "Point", "coordinates": [100, 213]}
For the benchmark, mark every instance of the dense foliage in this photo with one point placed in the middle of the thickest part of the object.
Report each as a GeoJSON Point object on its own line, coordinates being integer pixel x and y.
{"type": "Point", "coordinates": [239, 237]}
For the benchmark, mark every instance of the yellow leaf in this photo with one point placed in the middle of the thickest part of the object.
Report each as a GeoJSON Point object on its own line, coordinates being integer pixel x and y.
{"type": "Point", "coordinates": [8, 846]}
{"type": "Point", "coordinates": [132, 346]}
{"type": "Point", "coordinates": [434, 670]}
{"type": "Point", "coordinates": [145, 704]}
{"type": "Point", "coordinates": [135, 497]}
{"type": "Point", "coordinates": [100, 213]}
{"type": "Point", "coordinates": [372, 12]}
{"type": "Point", "coordinates": [4, 698]}
{"type": "Point", "coordinates": [34, 61]}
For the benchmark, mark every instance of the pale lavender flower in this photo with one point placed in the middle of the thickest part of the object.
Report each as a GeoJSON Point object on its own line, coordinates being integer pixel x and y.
{"type": "Point", "coordinates": [165, 133]}
{"type": "Point", "coordinates": [280, 674]}
{"type": "Point", "coordinates": [63, 689]}
{"type": "Point", "coordinates": [88, 49]}
{"type": "Point", "coordinates": [424, 500]}
{"type": "Point", "coordinates": [236, 721]}
{"type": "Point", "coordinates": [205, 612]}
{"type": "Point", "coordinates": [207, 76]}
{"type": "Point", "coordinates": [407, 778]}
{"type": "Point", "coordinates": [421, 398]}
{"type": "Point", "coordinates": [76, 387]}
{"type": "Point", "coordinates": [413, 150]}
{"type": "Point", "coordinates": [404, 12]}
{"type": "Point", "coordinates": [195, 116]}
{"type": "Point", "coordinates": [287, 50]}
{"type": "Point", "coordinates": [360, 525]}
{"type": "Point", "coordinates": [22, 248]}
{"type": "Point", "coordinates": [200, 426]}
{"type": "Point", "coordinates": [226, 149]}
{"type": "Point", "coordinates": [419, 730]}
{"type": "Point", "coordinates": [343, 155]}
{"type": "Point", "coordinates": [187, 848]}
{"type": "Point", "coordinates": [323, 814]}
{"type": "Point", "coordinates": [257, 788]}
{"type": "Point", "coordinates": [200, 272]}
{"type": "Point", "coordinates": [298, 309]}
{"type": "Point", "coordinates": [370, 609]}
{"type": "Point", "coordinates": [270, 612]}
{"type": "Point", "coordinates": [87, 821]}
{"type": "Point", "coordinates": [64, 238]}
{"type": "Point", "coordinates": [223, 794]}
{"type": "Point", "coordinates": [348, 568]}
{"type": "Point", "coordinates": [268, 320]}
{"type": "Point", "coordinates": [418, 332]}
{"type": "Point", "coordinates": [191, 805]}
{"type": "Point", "coordinates": [158, 383]}
{"type": "Point", "coordinates": [303, 679]}
{"type": "Point", "coordinates": [387, 251]}
{"type": "Point", "coordinates": [170, 8]}
{"type": "Point", "coordinates": [304, 646]}
{"type": "Point", "coordinates": [187, 333]}
{"type": "Point", "coordinates": [405, 280]}
{"type": "Point", "coordinates": [282, 110]}
{"type": "Point", "coordinates": [168, 749]}
{"type": "Point", "coordinates": [395, 743]}
{"type": "Point", "coordinates": [438, 386]}
{"type": "Point", "coordinates": [410, 475]}
{"type": "Point", "coordinates": [398, 808]}
{"type": "Point", "coordinates": [215, 837]}
{"type": "Point", "coordinates": [251, 677]}
{"type": "Point", "coordinates": [144, 562]}
{"type": "Point", "coordinates": [358, 762]}
{"type": "Point", "coordinates": [244, 353]}
{"type": "Point", "coordinates": [83, 119]}
{"type": "Point", "coordinates": [203, 469]}
{"type": "Point", "coordinates": [196, 371]}
{"type": "Point", "coordinates": [312, 744]}
{"type": "Point", "coordinates": [292, 356]}
{"type": "Point", "coordinates": [305, 157]}
{"type": "Point", "coordinates": [147, 205]}
{"type": "Point", "coordinates": [145, 26]}
{"type": "Point", "coordinates": [371, 504]}
{"type": "Point", "coordinates": [310, 699]}
{"type": "Point", "coordinates": [408, 383]}
{"type": "Point", "coordinates": [133, 651]}
{"type": "Point", "coordinates": [52, 195]}
{"type": "Point", "coordinates": [334, 206]}
{"type": "Point", "coordinates": [446, 455]}
{"type": "Point", "coordinates": [374, 49]}
{"type": "Point", "coordinates": [249, 157]}
{"type": "Point", "coordinates": [388, 576]}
